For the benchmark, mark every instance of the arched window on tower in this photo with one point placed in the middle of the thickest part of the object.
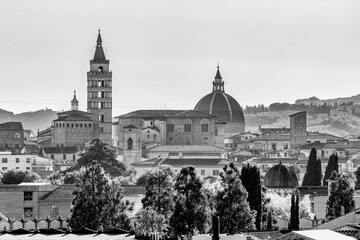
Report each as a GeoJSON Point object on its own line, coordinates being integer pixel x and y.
{"type": "Point", "coordinates": [101, 117]}
{"type": "Point", "coordinates": [101, 69]}
{"type": "Point", "coordinates": [129, 144]}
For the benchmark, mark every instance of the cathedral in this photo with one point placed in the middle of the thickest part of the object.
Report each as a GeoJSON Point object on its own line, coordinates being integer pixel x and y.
{"type": "Point", "coordinates": [216, 116]}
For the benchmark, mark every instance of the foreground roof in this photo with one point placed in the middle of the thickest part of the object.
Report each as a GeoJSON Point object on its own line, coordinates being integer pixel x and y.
{"type": "Point", "coordinates": [187, 148]}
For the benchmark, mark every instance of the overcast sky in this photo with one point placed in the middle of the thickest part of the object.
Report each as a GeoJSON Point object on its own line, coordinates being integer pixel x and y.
{"type": "Point", "coordinates": [163, 54]}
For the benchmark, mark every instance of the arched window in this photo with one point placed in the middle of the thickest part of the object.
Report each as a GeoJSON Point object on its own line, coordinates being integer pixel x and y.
{"type": "Point", "coordinates": [170, 127]}
{"type": "Point", "coordinates": [187, 127]}
{"type": "Point", "coordinates": [204, 127]}
{"type": "Point", "coordinates": [101, 117]}
{"type": "Point", "coordinates": [101, 69]}
{"type": "Point", "coordinates": [129, 144]}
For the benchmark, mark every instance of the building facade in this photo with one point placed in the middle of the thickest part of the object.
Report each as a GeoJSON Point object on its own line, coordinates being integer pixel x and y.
{"type": "Point", "coordinates": [11, 136]}
{"type": "Point", "coordinates": [74, 128]}
{"type": "Point", "coordinates": [99, 92]}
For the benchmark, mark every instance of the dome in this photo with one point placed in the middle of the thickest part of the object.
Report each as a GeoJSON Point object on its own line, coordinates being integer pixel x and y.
{"type": "Point", "coordinates": [220, 104]}
{"type": "Point", "coordinates": [280, 176]}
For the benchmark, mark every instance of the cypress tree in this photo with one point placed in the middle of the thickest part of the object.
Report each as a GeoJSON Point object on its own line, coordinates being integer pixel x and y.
{"type": "Point", "coordinates": [294, 212]}
{"type": "Point", "coordinates": [332, 165]}
{"type": "Point", "coordinates": [250, 178]}
{"type": "Point", "coordinates": [313, 170]}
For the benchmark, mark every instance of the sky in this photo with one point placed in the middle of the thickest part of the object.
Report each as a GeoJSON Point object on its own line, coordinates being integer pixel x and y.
{"type": "Point", "coordinates": [163, 54]}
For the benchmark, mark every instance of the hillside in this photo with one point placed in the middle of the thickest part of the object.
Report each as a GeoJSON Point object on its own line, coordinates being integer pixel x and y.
{"type": "Point", "coordinates": [40, 119]}
{"type": "Point", "coordinates": [334, 101]}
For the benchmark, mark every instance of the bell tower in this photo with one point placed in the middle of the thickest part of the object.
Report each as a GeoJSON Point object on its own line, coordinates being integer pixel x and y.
{"type": "Point", "coordinates": [99, 92]}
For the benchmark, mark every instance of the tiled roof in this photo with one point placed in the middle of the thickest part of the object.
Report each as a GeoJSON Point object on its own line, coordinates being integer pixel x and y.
{"type": "Point", "coordinates": [63, 192]}
{"type": "Point", "coordinates": [328, 137]}
{"type": "Point", "coordinates": [75, 117]}
{"type": "Point", "coordinates": [271, 138]}
{"type": "Point", "coordinates": [130, 126]}
{"type": "Point", "coordinates": [11, 126]}
{"type": "Point", "coordinates": [46, 132]}
{"type": "Point", "coordinates": [187, 148]}
{"type": "Point", "coordinates": [166, 114]}
{"type": "Point", "coordinates": [275, 160]}
{"type": "Point", "coordinates": [266, 131]}
{"type": "Point", "coordinates": [312, 145]}
{"type": "Point", "coordinates": [154, 161]}
{"type": "Point", "coordinates": [191, 161]}
{"type": "Point", "coordinates": [50, 150]}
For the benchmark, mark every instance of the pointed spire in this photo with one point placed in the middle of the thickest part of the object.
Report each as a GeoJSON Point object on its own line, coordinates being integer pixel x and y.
{"type": "Point", "coordinates": [99, 41]}
{"type": "Point", "coordinates": [218, 75]}
{"type": "Point", "coordinates": [99, 55]}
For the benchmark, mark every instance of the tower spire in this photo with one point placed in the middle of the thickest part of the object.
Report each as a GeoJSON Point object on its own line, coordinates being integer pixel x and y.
{"type": "Point", "coordinates": [218, 84]}
{"type": "Point", "coordinates": [99, 55]}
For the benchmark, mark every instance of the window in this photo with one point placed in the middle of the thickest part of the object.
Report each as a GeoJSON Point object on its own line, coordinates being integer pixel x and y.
{"type": "Point", "coordinates": [4, 168]}
{"type": "Point", "coordinates": [28, 212]}
{"type": "Point", "coordinates": [27, 160]}
{"type": "Point", "coordinates": [170, 127]}
{"type": "Point", "coordinates": [204, 127]}
{"type": "Point", "coordinates": [101, 117]}
{"type": "Point", "coordinates": [4, 160]}
{"type": "Point", "coordinates": [64, 156]}
{"type": "Point", "coordinates": [54, 209]}
{"type": "Point", "coordinates": [202, 172]}
{"type": "Point", "coordinates": [17, 168]}
{"type": "Point", "coordinates": [188, 140]}
{"type": "Point", "coordinates": [72, 125]}
{"type": "Point", "coordinates": [28, 196]}
{"type": "Point", "coordinates": [76, 125]}
{"type": "Point", "coordinates": [74, 158]}
{"type": "Point", "coordinates": [67, 125]}
{"type": "Point", "coordinates": [205, 140]}
{"type": "Point", "coordinates": [89, 124]}
{"type": "Point", "coordinates": [273, 146]}
{"type": "Point", "coordinates": [215, 172]}
{"type": "Point", "coordinates": [154, 136]}
{"type": "Point", "coordinates": [52, 156]}
{"type": "Point", "coordinates": [130, 144]}
{"type": "Point", "coordinates": [28, 168]}
{"type": "Point", "coordinates": [17, 160]}
{"type": "Point", "coordinates": [187, 127]}
{"type": "Point", "coordinates": [148, 136]}
{"type": "Point", "coordinates": [171, 139]}
{"type": "Point", "coordinates": [17, 135]}
{"type": "Point", "coordinates": [17, 145]}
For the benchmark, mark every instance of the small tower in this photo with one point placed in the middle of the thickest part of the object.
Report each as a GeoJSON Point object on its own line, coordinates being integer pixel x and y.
{"type": "Point", "coordinates": [99, 92]}
{"type": "Point", "coordinates": [74, 103]}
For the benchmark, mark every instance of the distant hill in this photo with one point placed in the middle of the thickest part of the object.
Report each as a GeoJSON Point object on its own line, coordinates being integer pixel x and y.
{"type": "Point", "coordinates": [40, 119]}
{"type": "Point", "coordinates": [333, 101]}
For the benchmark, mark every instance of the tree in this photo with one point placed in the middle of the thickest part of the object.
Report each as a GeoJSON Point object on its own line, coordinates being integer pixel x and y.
{"type": "Point", "coordinates": [331, 166]}
{"type": "Point", "coordinates": [18, 176]}
{"type": "Point", "coordinates": [313, 170]}
{"type": "Point", "coordinates": [159, 191]}
{"type": "Point", "coordinates": [102, 154]}
{"type": "Point", "coordinates": [98, 203]}
{"type": "Point", "coordinates": [357, 175]}
{"type": "Point", "coordinates": [149, 221]}
{"type": "Point", "coordinates": [250, 178]}
{"type": "Point", "coordinates": [231, 203]}
{"type": "Point", "coordinates": [340, 199]}
{"type": "Point", "coordinates": [189, 215]}
{"type": "Point", "coordinates": [294, 211]}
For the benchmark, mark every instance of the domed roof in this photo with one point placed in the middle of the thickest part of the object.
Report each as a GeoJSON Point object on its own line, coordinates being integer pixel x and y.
{"type": "Point", "coordinates": [220, 104]}
{"type": "Point", "coordinates": [280, 176]}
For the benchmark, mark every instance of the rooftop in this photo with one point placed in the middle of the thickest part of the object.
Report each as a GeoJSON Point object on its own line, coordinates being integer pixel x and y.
{"type": "Point", "coordinates": [188, 148]}
{"type": "Point", "coordinates": [166, 114]}
{"type": "Point", "coordinates": [11, 126]}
